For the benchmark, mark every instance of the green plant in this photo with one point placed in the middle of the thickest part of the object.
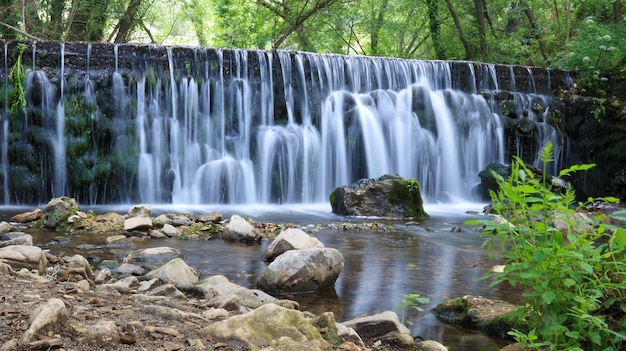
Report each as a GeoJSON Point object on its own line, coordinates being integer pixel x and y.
{"type": "Point", "coordinates": [572, 275]}
{"type": "Point", "coordinates": [16, 78]}
{"type": "Point", "coordinates": [410, 302]}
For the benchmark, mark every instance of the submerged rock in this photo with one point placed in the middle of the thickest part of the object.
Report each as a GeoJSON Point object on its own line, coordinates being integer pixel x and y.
{"type": "Point", "coordinates": [387, 196]}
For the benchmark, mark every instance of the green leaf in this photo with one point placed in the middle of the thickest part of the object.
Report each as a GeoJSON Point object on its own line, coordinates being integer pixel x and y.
{"type": "Point", "coordinates": [619, 215]}
{"type": "Point", "coordinates": [619, 237]}
{"type": "Point", "coordinates": [569, 282]}
{"type": "Point", "coordinates": [548, 297]}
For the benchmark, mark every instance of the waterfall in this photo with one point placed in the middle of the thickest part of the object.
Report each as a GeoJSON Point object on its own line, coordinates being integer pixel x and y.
{"type": "Point", "coordinates": [207, 126]}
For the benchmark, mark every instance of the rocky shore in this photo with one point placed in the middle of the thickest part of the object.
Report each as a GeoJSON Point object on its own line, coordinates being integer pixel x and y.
{"type": "Point", "coordinates": [153, 300]}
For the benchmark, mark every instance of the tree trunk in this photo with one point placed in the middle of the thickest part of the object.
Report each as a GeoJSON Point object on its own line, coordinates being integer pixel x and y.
{"type": "Point", "coordinates": [376, 26]}
{"type": "Point", "coordinates": [127, 22]}
{"type": "Point", "coordinates": [536, 30]}
{"type": "Point", "coordinates": [618, 11]}
{"type": "Point", "coordinates": [435, 35]}
{"type": "Point", "coordinates": [480, 21]}
{"type": "Point", "coordinates": [468, 49]}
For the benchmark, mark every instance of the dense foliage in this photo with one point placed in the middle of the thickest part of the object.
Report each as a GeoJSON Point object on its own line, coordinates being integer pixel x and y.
{"type": "Point", "coordinates": [588, 35]}
{"type": "Point", "coordinates": [571, 270]}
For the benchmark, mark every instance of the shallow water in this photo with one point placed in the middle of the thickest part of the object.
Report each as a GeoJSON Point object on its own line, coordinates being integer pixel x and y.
{"type": "Point", "coordinates": [380, 268]}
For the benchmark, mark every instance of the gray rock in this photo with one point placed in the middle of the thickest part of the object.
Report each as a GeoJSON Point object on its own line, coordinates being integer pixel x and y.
{"type": "Point", "coordinates": [119, 240]}
{"type": "Point", "coordinates": [213, 217]}
{"type": "Point", "coordinates": [58, 210]}
{"type": "Point", "coordinates": [156, 234]}
{"type": "Point", "coordinates": [101, 334]}
{"type": "Point", "coordinates": [217, 285]}
{"type": "Point", "coordinates": [147, 285]}
{"type": "Point", "coordinates": [302, 271]}
{"type": "Point", "coordinates": [138, 223]}
{"type": "Point", "coordinates": [175, 271]}
{"type": "Point", "coordinates": [180, 220]}
{"type": "Point", "coordinates": [140, 211]}
{"type": "Point", "coordinates": [384, 327]}
{"type": "Point", "coordinates": [238, 229]}
{"type": "Point", "coordinates": [127, 269]}
{"type": "Point", "coordinates": [161, 220]}
{"type": "Point", "coordinates": [168, 290]}
{"type": "Point", "coordinates": [49, 317]}
{"type": "Point", "coordinates": [5, 227]}
{"type": "Point", "coordinates": [155, 256]}
{"type": "Point", "coordinates": [215, 314]}
{"type": "Point", "coordinates": [269, 324]}
{"type": "Point", "coordinates": [290, 239]}
{"type": "Point", "coordinates": [102, 276]}
{"type": "Point", "coordinates": [15, 238]}
{"type": "Point", "coordinates": [170, 230]}
{"type": "Point", "coordinates": [242, 300]}
{"type": "Point", "coordinates": [25, 256]}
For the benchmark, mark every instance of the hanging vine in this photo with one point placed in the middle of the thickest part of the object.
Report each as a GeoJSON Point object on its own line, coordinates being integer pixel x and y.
{"type": "Point", "coordinates": [16, 79]}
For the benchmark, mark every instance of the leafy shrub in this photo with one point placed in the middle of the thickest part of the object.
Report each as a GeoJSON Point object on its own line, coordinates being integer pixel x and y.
{"type": "Point", "coordinates": [574, 278]}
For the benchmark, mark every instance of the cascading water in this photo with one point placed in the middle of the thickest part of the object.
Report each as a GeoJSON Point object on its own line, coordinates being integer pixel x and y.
{"type": "Point", "coordinates": [245, 126]}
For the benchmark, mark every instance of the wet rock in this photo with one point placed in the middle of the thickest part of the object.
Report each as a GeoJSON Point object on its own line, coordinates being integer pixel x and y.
{"type": "Point", "coordinates": [290, 239]}
{"type": "Point", "coordinates": [47, 318]}
{"type": "Point", "coordinates": [477, 313]}
{"type": "Point", "coordinates": [15, 238]}
{"type": "Point", "coordinates": [387, 196]}
{"type": "Point", "coordinates": [119, 241]}
{"type": "Point", "coordinates": [175, 271]}
{"type": "Point", "coordinates": [269, 324]}
{"type": "Point", "coordinates": [238, 229]}
{"type": "Point", "coordinates": [140, 211]}
{"type": "Point", "coordinates": [302, 271]}
{"type": "Point", "coordinates": [384, 327]}
{"type": "Point", "coordinates": [6, 227]}
{"type": "Point", "coordinates": [101, 334]}
{"type": "Point", "coordinates": [137, 223]}
{"type": "Point", "coordinates": [25, 256]}
{"type": "Point", "coordinates": [156, 234]}
{"type": "Point", "coordinates": [58, 210]}
{"type": "Point", "coordinates": [181, 220]}
{"type": "Point", "coordinates": [213, 217]}
{"type": "Point", "coordinates": [28, 216]}
{"type": "Point", "coordinates": [155, 256]}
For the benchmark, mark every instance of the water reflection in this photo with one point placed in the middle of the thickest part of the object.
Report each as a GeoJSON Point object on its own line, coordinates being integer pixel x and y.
{"type": "Point", "coordinates": [380, 268]}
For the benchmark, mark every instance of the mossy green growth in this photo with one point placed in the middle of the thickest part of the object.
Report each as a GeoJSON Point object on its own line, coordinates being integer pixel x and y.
{"type": "Point", "coordinates": [407, 192]}
{"type": "Point", "coordinates": [333, 198]}
{"type": "Point", "coordinates": [198, 231]}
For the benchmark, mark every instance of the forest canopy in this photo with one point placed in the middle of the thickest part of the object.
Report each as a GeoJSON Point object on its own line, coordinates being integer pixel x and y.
{"type": "Point", "coordinates": [584, 35]}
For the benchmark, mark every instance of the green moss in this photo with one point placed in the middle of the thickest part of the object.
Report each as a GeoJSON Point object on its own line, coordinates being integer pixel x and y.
{"type": "Point", "coordinates": [197, 231]}
{"type": "Point", "coordinates": [333, 198]}
{"type": "Point", "coordinates": [407, 193]}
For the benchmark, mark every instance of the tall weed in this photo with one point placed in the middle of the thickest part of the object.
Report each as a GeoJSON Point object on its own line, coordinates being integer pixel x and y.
{"type": "Point", "coordinates": [573, 278]}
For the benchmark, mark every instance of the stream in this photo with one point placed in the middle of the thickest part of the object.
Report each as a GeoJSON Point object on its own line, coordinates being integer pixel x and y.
{"type": "Point", "coordinates": [439, 258]}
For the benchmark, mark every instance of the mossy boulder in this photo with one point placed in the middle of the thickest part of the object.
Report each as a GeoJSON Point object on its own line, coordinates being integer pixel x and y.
{"type": "Point", "coordinates": [387, 196]}
{"type": "Point", "coordinates": [492, 317]}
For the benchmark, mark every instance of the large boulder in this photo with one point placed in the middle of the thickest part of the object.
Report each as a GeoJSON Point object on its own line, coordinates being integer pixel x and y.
{"type": "Point", "coordinates": [28, 216]}
{"type": "Point", "coordinates": [304, 270]}
{"type": "Point", "coordinates": [290, 239]}
{"type": "Point", "coordinates": [15, 238]}
{"type": "Point", "coordinates": [58, 210]}
{"type": "Point", "coordinates": [387, 196]}
{"type": "Point", "coordinates": [25, 256]}
{"type": "Point", "coordinates": [270, 324]}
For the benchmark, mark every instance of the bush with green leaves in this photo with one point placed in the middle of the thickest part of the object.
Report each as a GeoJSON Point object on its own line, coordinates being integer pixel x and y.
{"type": "Point", "coordinates": [573, 279]}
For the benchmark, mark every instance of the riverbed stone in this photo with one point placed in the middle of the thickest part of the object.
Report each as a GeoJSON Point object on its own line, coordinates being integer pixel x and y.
{"type": "Point", "coordinates": [175, 271]}
{"type": "Point", "coordinates": [15, 238]}
{"type": "Point", "coordinates": [242, 300]}
{"type": "Point", "coordinates": [48, 317]}
{"type": "Point", "coordinates": [101, 334]}
{"type": "Point", "coordinates": [430, 345]}
{"type": "Point", "coordinates": [118, 240]}
{"type": "Point", "coordinates": [5, 227]}
{"type": "Point", "coordinates": [58, 210]}
{"type": "Point", "coordinates": [270, 324]}
{"type": "Point", "coordinates": [137, 223]}
{"type": "Point", "coordinates": [25, 256]}
{"type": "Point", "coordinates": [161, 220]}
{"type": "Point", "coordinates": [154, 256]}
{"type": "Point", "coordinates": [170, 230]}
{"type": "Point", "coordinates": [290, 239]}
{"type": "Point", "coordinates": [304, 270]}
{"type": "Point", "coordinates": [212, 217]}
{"type": "Point", "coordinates": [384, 327]}
{"type": "Point", "coordinates": [141, 210]}
{"type": "Point", "coordinates": [238, 229]}
{"type": "Point", "coordinates": [29, 216]}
